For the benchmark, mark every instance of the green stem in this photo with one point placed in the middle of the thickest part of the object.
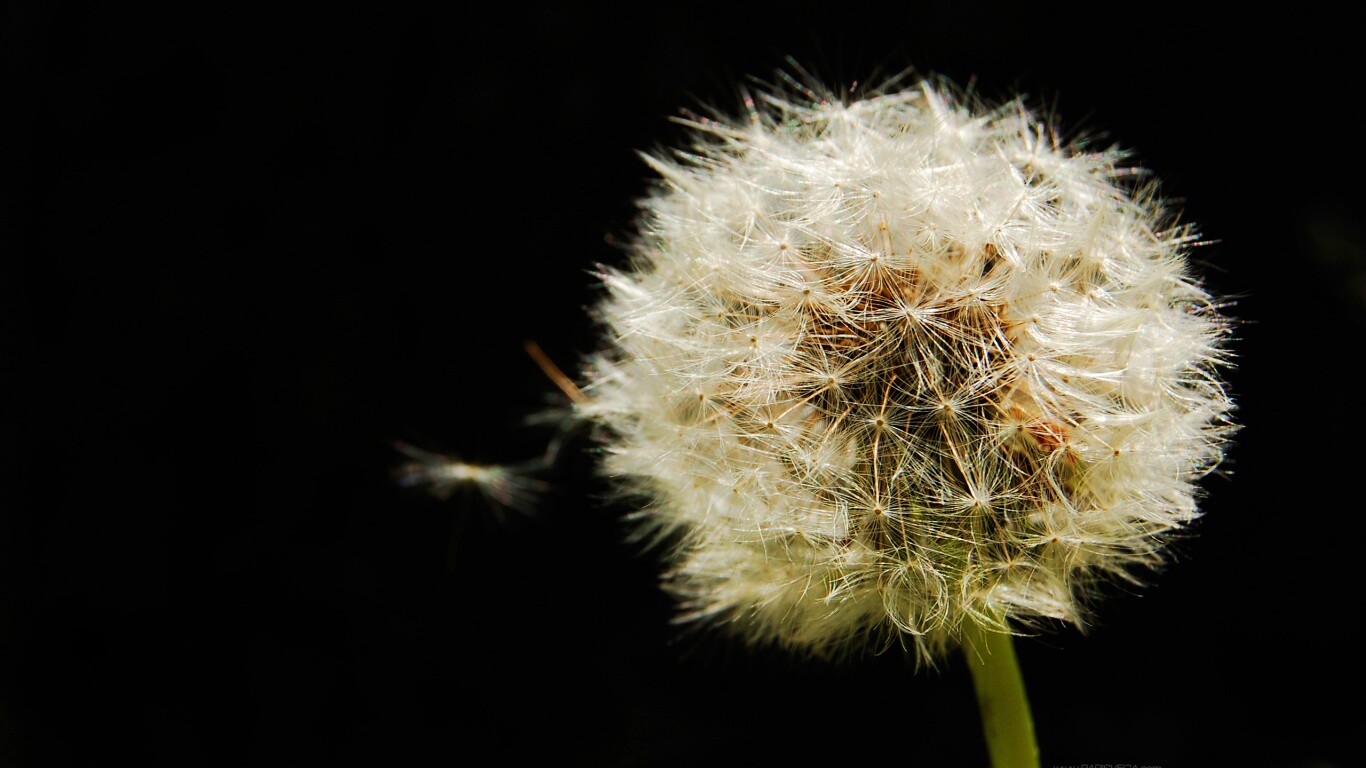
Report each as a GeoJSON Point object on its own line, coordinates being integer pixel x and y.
{"type": "Point", "coordinates": [1006, 722]}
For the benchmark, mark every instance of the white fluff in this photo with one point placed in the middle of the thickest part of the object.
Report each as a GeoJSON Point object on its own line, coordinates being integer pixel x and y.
{"type": "Point", "coordinates": [884, 365]}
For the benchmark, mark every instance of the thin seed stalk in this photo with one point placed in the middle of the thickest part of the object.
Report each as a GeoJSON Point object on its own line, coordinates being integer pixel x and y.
{"type": "Point", "coordinates": [1006, 720]}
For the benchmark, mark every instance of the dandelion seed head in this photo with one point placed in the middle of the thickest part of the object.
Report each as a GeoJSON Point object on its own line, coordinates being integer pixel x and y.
{"type": "Point", "coordinates": [882, 366]}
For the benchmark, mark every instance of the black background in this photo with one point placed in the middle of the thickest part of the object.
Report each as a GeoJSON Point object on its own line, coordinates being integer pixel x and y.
{"type": "Point", "coordinates": [245, 249]}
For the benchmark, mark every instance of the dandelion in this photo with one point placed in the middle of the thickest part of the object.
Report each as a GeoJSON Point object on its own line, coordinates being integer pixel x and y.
{"type": "Point", "coordinates": [904, 368]}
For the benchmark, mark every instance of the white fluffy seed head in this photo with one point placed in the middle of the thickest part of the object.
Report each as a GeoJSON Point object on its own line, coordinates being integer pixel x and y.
{"type": "Point", "coordinates": [886, 365]}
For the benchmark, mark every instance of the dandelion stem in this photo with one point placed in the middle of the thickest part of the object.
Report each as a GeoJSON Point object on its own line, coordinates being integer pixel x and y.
{"type": "Point", "coordinates": [1006, 720]}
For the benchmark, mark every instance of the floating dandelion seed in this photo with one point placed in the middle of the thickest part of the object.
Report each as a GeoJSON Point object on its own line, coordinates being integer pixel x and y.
{"type": "Point", "coordinates": [901, 367]}
{"type": "Point", "coordinates": [503, 486]}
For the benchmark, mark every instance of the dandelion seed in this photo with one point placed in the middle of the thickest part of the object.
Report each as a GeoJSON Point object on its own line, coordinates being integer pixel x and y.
{"type": "Point", "coordinates": [503, 486]}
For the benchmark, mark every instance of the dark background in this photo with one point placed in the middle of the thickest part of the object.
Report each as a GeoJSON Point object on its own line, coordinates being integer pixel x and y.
{"type": "Point", "coordinates": [244, 250]}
